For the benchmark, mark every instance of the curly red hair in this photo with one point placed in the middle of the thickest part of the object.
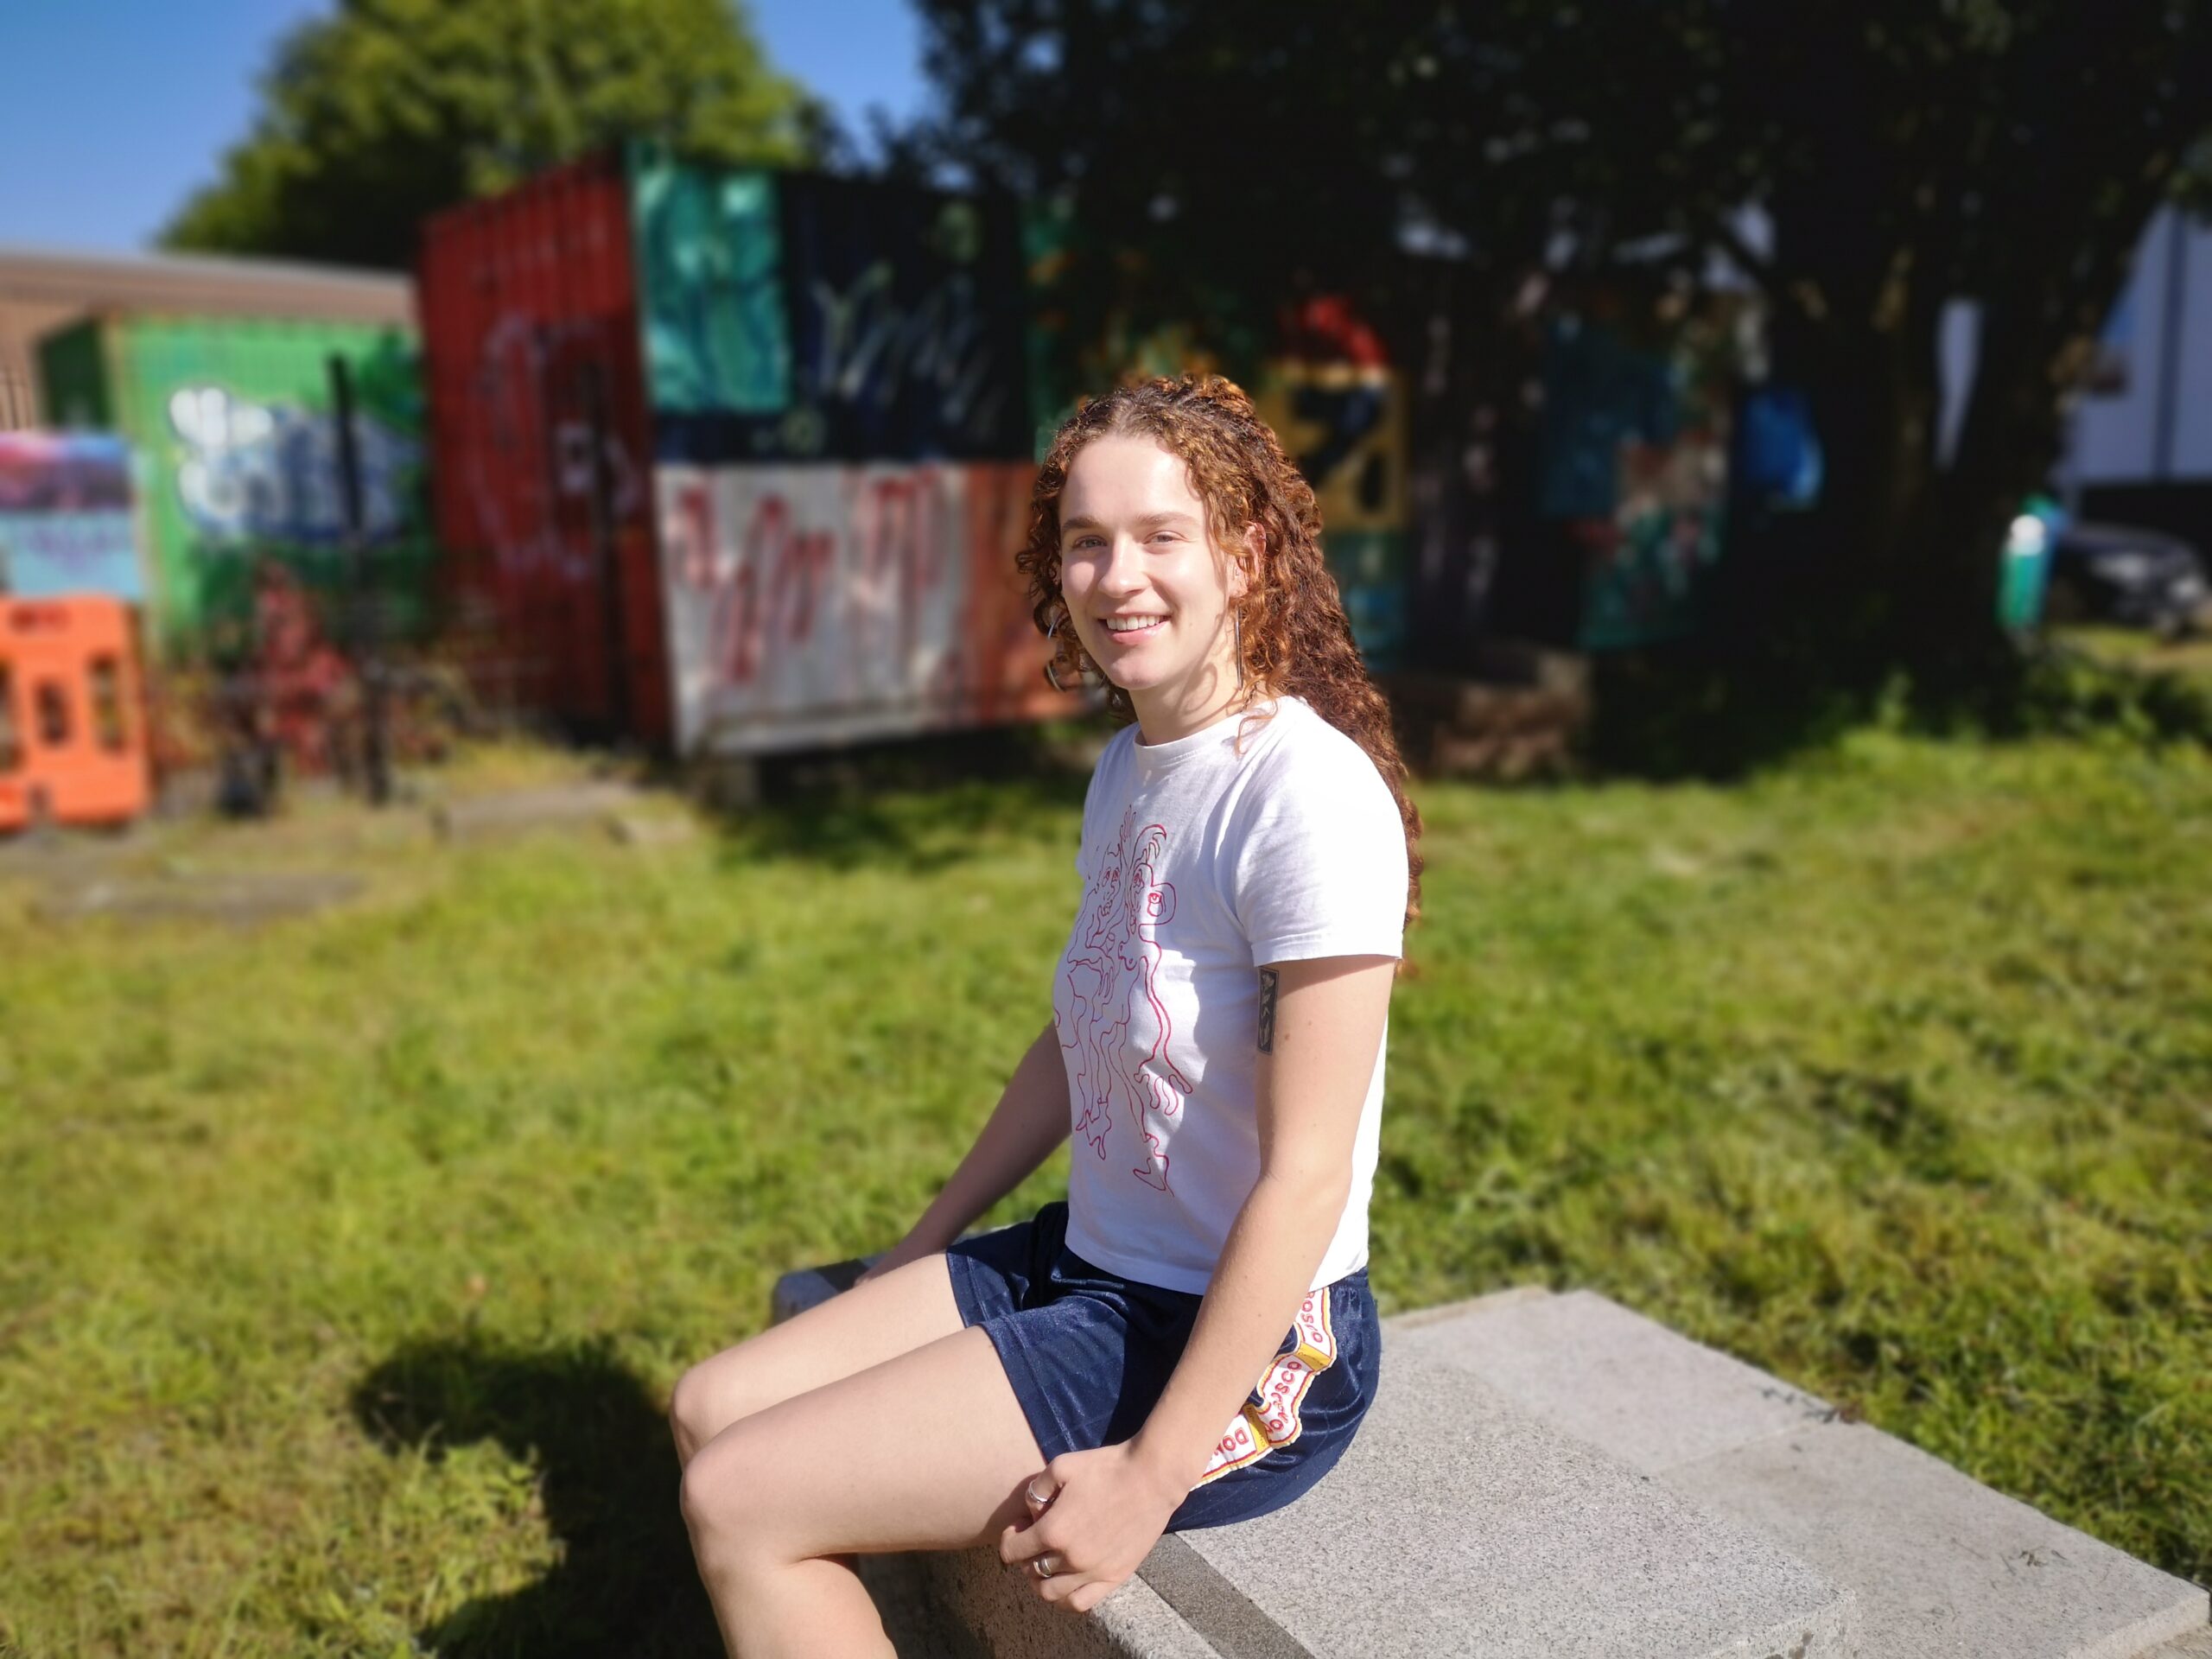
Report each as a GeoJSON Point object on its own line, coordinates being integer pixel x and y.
{"type": "Point", "coordinates": [1296, 640]}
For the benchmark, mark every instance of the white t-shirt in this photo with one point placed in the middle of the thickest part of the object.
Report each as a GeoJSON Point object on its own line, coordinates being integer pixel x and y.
{"type": "Point", "coordinates": [1200, 864]}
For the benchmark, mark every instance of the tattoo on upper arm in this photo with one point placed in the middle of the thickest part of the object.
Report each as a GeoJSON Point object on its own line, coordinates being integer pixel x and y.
{"type": "Point", "coordinates": [1268, 981]}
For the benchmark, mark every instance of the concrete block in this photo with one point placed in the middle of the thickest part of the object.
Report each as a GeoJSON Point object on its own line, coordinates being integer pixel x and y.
{"type": "Point", "coordinates": [1943, 1565]}
{"type": "Point", "coordinates": [972, 1591]}
{"type": "Point", "coordinates": [1549, 1475]}
{"type": "Point", "coordinates": [899, 1586]}
{"type": "Point", "coordinates": [1458, 1524]}
{"type": "Point", "coordinates": [1626, 1384]}
{"type": "Point", "coordinates": [797, 1291]}
{"type": "Point", "coordinates": [240, 900]}
{"type": "Point", "coordinates": [649, 829]}
{"type": "Point", "coordinates": [1475, 1528]}
{"type": "Point", "coordinates": [514, 812]}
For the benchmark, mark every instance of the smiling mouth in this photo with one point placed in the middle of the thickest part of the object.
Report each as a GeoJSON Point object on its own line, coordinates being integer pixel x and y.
{"type": "Point", "coordinates": [1132, 627]}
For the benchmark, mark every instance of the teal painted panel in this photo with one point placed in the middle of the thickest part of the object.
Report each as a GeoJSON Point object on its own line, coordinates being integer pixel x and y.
{"type": "Point", "coordinates": [1369, 565]}
{"type": "Point", "coordinates": [710, 297]}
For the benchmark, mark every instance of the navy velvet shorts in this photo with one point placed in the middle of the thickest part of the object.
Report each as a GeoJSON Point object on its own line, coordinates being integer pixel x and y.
{"type": "Point", "coordinates": [1089, 1352]}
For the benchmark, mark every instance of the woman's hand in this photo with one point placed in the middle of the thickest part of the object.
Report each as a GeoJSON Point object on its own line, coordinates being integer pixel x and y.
{"type": "Point", "coordinates": [1104, 1512]}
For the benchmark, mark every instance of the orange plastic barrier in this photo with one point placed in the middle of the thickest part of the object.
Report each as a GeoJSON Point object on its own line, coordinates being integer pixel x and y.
{"type": "Point", "coordinates": [72, 739]}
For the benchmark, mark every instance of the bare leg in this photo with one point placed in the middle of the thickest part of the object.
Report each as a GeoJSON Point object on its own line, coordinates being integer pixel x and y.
{"type": "Point", "coordinates": [905, 1309]}
{"type": "Point", "coordinates": [926, 1451]}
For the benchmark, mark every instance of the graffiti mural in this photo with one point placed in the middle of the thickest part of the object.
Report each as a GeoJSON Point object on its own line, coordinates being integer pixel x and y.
{"type": "Point", "coordinates": [811, 604]}
{"type": "Point", "coordinates": [548, 480]}
{"type": "Point", "coordinates": [530, 467]}
{"type": "Point", "coordinates": [710, 258]}
{"type": "Point", "coordinates": [1340, 412]}
{"type": "Point", "coordinates": [250, 471]}
{"type": "Point", "coordinates": [809, 317]}
{"type": "Point", "coordinates": [66, 522]}
{"type": "Point", "coordinates": [229, 423]}
{"type": "Point", "coordinates": [1635, 471]}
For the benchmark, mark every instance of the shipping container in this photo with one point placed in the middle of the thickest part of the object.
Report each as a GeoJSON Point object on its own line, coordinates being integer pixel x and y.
{"type": "Point", "coordinates": [543, 488]}
{"type": "Point", "coordinates": [236, 455]}
{"type": "Point", "coordinates": [734, 460]}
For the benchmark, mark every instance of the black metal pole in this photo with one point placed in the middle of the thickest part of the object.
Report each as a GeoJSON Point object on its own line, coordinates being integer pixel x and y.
{"type": "Point", "coordinates": [361, 611]}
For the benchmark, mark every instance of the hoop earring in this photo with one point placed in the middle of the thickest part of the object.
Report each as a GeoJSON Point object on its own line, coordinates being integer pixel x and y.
{"type": "Point", "coordinates": [1236, 626]}
{"type": "Point", "coordinates": [1052, 661]}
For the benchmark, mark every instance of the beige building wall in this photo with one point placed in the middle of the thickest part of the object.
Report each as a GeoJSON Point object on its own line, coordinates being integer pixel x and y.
{"type": "Point", "coordinates": [41, 291]}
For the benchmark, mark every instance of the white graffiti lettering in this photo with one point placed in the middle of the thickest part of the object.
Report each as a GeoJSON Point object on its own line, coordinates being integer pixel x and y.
{"type": "Point", "coordinates": [256, 471]}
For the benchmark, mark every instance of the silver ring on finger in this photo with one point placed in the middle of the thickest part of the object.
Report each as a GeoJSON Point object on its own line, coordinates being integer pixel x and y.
{"type": "Point", "coordinates": [1044, 1565]}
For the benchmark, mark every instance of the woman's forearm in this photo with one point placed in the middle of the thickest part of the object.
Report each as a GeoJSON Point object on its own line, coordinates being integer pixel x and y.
{"type": "Point", "coordinates": [1029, 1121]}
{"type": "Point", "coordinates": [1267, 1265]}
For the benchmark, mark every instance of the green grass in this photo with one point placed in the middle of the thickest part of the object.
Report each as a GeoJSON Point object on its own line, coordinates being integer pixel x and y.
{"type": "Point", "coordinates": [350, 1257]}
{"type": "Point", "coordinates": [2191, 658]}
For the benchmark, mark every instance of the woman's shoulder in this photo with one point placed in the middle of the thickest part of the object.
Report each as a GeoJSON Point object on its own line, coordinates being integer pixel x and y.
{"type": "Point", "coordinates": [1308, 780]}
{"type": "Point", "coordinates": [1320, 866]}
{"type": "Point", "coordinates": [1299, 750]}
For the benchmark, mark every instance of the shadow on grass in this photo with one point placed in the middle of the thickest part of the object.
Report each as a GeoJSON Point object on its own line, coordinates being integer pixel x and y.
{"type": "Point", "coordinates": [625, 1586]}
{"type": "Point", "coordinates": [1712, 714]}
{"type": "Point", "coordinates": [919, 804]}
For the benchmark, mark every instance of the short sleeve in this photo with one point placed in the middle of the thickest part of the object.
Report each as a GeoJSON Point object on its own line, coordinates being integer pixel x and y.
{"type": "Point", "coordinates": [1318, 867]}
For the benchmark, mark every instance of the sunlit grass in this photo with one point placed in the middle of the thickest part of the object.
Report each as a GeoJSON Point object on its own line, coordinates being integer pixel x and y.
{"type": "Point", "coordinates": [349, 1257]}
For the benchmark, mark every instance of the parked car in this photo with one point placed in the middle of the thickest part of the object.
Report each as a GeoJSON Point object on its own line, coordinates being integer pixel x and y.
{"type": "Point", "coordinates": [2137, 578]}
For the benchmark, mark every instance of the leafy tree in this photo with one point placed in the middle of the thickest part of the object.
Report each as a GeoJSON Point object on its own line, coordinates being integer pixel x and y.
{"type": "Point", "coordinates": [1902, 153]}
{"type": "Point", "coordinates": [388, 110]}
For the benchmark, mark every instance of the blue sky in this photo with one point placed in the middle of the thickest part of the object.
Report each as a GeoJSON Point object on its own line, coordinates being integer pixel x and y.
{"type": "Point", "coordinates": [112, 111]}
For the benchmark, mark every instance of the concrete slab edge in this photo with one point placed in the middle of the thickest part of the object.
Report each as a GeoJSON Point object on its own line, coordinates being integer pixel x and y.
{"type": "Point", "coordinates": [1228, 1618]}
{"type": "Point", "coordinates": [2160, 1635]}
{"type": "Point", "coordinates": [2197, 1644]}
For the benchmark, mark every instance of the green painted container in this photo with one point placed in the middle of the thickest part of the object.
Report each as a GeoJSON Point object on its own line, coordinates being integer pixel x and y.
{"type": "Point", "coordinates": [230, 422]}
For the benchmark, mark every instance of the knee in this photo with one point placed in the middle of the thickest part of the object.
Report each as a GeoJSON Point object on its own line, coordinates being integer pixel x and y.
{"type": "Point", "coordinates": [715, 1509]}
{"type": "Point", "coordinates": [695, 1414]}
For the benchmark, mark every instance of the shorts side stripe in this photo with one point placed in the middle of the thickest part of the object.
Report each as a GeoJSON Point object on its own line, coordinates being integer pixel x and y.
{"type": "Point", "coordinates": [1269, 1419]}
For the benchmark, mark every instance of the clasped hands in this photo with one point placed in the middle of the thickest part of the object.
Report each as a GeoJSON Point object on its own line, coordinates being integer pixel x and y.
{"type": "Point", "coordinates": [1093, 1518]}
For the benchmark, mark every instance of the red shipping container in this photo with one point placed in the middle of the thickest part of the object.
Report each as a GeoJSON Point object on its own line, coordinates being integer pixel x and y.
{"type": "Point", "coordinates": [543, 476]}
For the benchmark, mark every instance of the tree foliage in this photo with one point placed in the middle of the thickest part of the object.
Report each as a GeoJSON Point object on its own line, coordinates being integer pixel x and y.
{"type": "Point", "coordinates": [388, 110]}
{"type": "Point", "coordinates": [1900, 154]}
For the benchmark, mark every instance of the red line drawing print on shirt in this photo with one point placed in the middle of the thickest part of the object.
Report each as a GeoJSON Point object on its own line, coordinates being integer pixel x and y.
{"type": "Point", "coordinates": [1120, 1025]}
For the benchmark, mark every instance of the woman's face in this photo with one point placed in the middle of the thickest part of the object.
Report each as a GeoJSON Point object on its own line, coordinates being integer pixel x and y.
{"type": "Point", "coordinates": [1149, 592]}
